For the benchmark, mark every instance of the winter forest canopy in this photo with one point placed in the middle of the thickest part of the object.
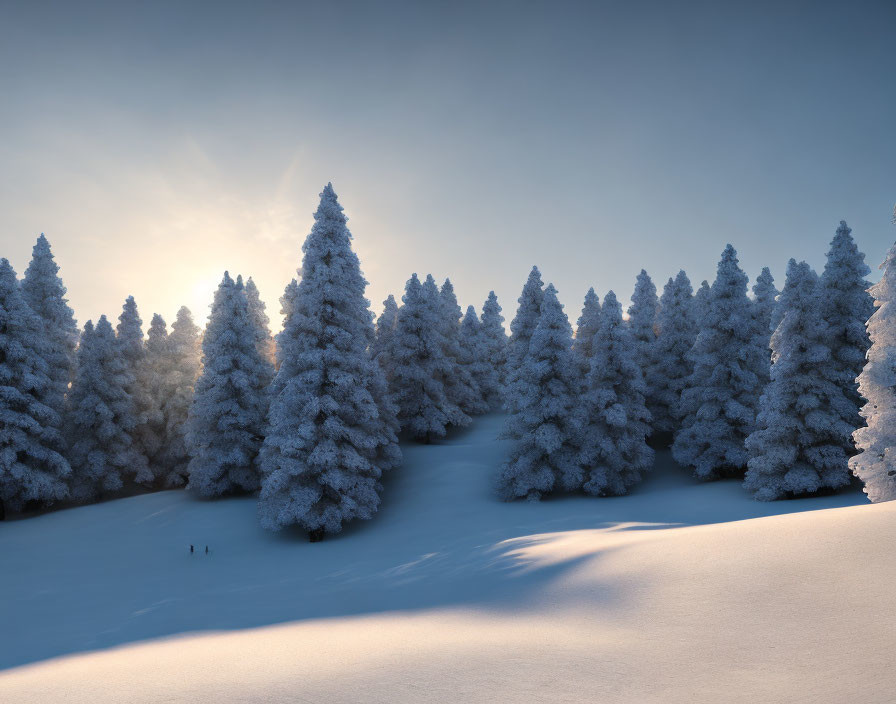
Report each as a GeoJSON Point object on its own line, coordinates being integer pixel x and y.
{"type": "Point", "coordinates": [792, 391]}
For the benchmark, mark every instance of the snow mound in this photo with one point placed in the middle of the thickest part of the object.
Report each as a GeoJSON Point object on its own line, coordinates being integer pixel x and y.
{"type": "Point", "coordinates": [680, 592]}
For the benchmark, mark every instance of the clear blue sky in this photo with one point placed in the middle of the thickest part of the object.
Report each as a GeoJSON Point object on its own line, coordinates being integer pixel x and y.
{"type": "Point", "coordinates": [157, 144]}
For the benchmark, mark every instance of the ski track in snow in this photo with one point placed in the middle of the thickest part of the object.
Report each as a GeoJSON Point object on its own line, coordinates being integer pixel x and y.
{"type": "Point", "coordinates": [672, 593]}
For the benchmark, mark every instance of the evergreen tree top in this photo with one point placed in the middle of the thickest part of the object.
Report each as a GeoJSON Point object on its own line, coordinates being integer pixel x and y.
{"type": "Point", "coordinates": [43, 288]}
{"type": "Point", "coordinates": [530, 306]}
{"type": "Point", "coordinates": [730, 281]}
{"type": "Point", "coordinates": [130, 325]}
{"type": "Point", "coordinates": [845, 263]}
{"type": "Point", "coordinates": [491, 310]}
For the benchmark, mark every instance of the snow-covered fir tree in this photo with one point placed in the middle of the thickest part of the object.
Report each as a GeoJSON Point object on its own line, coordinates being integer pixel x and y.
{"type": "Point", "coordinates": [547, 419]}
{"type": "Point", "coordinates": [416, 382]}
{"type": "Point", "coordinates": [701, 303]}
{"type": "Point", "coordinates": [460, 386]}
{"type": "Point", "coordinates": [676, 332]}
{"type": "Point", "coordinates": [642, 322]}
{"type": "Point", "coordinates": [586, 328]}
{"type": "Point", "coordinates": [130, 345]}
{"type": "Point", "coordinates": [385, 332]}
{"type": "Point", "coordinates": [45, 295]}
{"type": "Point", "coordinates": [474, 356]}
{"type": "Point", "coordinates": [875, 464]}
{"type": "Point", "coordinates": [181, 371]}
{"type": "Point", "coordinates": [614, 443]}
{"type": "Point", "coordinates": [847, 307]}
{"type": "Point", "coordinates": [100, 422]}
{"type": "Point", "coordinates": [32, 467]}
{"type": "Point", "coordinates": [521, 329]}
{"type": "Point", "coordinates": [494, 351]}
{"type": "Point", "coordinates": [260, 322]}
{"type": "Point", "coordinates": [798, 445]}
{"type": "Point", "coordinates": [332, 430]}
{"type": "Point", "coordinates": [764, 305]}
{"type": "Point", "coordinates": [287, 305]}
{"type": "Point", "coordinates": [719, 399]}
{"type": "Point", "coordinates": [230, 402]}
{"type": "Point", "coordinates": [156, 373]}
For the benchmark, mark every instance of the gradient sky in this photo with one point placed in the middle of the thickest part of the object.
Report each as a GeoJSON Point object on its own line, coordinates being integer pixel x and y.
{"type": "Point", "coordinates": [158, 144]}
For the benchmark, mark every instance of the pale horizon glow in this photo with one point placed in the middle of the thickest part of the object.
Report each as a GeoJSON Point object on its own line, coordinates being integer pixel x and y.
{"type": "Point", "coordinates": [158, 146]}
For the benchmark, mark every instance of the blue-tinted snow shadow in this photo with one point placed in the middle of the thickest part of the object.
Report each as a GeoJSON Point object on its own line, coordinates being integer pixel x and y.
{"type": "Point", "coordinates": [100, 576]}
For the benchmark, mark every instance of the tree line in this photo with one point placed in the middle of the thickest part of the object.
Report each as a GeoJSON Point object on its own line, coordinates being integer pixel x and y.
{"type": "Point", "coordinates": [763, 387]}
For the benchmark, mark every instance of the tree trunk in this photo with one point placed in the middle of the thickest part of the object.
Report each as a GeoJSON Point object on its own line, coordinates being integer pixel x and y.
{"type": "Point", "coordinates": [2, 511]}
{"type": "Point", "coordinates": [316, 535]}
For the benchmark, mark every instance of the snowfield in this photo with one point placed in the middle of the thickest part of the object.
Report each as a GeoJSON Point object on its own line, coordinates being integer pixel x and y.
{"type": "Point", "coordinates": [680, 592]}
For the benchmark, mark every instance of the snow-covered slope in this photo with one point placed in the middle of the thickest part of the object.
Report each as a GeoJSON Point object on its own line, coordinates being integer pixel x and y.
{"type": "Point", "coordinates": [679, 592]}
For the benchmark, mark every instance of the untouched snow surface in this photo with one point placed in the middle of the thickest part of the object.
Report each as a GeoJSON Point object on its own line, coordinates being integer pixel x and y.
{"type": "Point", "coordinates": [681, 592]}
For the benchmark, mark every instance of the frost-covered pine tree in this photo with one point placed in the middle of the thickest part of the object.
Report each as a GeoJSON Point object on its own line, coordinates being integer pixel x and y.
{"type": "Point", "coordinates": [547, 419]}
{"type": "Point", "coordinates": [129, 335]}
{"type": "Point", "coordinates": [31, 465]}
{"type": "Point", "coordinates": [44, 293]}
{"type": "Point", "coordinates": [228, 415]}
{"type": "Point", "coordinates": [494, 350]}
{"type": "Point", "coordinates": [586, 328]}
{"type": "Point", "coordinates": [100, 422]}
{"type": "Point", "coordinates": [385, 332]}
{"type": "Point", "coordinates": [764, 304]}
{"type": "Point", "coordinates": [798, 445]}
{"type": "Point", "coordinates": [847, 307]}
{"type": "Point", "coordinates": [416, 384]}
{"type": "Point", "coordinates": [614, 444]}
{"type": "Point", "coordinates": [642, 322]}
{"type": "Point", "coordinates": [460, 386]}
{"type": "Point", "coordinates": [260, 322]}
{"type": "Point", "coordinates": [156, 373]}
{"type": "Point", "coordinates": [676, 332]}
{"type": "Point", "coordinates": [474, 357]}
{"type": "Point", "coordinates": [701, 303]}
{"type": "Point", "coordinates": [331, 431]}
{"type": "Point", "coordinates": [287, 305]}
{"type": "Point", "coordinates": [181, 371]}
{"type": "Point", "coordinates": [875, 464]}
{"type": "Point", "coordinates": [521, 329]}
{"type": "Point", "coordinates": [719, 400]}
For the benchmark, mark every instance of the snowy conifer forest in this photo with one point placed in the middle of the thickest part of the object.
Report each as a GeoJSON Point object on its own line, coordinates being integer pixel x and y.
{"type": "Point", "coordinates": [792, 391]}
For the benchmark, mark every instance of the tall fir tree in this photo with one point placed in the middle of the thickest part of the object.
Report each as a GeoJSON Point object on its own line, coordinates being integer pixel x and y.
{"type": "Point", "coordinates": [474, 357]}
{"type": "Point", "coordinates": [260, 323]}
{"type": "Point", "coordinates": [181, 372]}
{"type": "Point", "coordinates": [460, 386]}
{"type": "Point", "coordinates": [385, 332]}
{"type": "Point", "coordinates": [701, 303]}
{"type": "Point", "coordinates": [230, 403]}
{"type": "Point", "coordinates": [416, 383]}
{"type": "Point", "coordinates": [847, 307]}
{"type": "Point", "coordinates": [157, 369]}
{"type": "Point", "coordinates": [614, 447]}
{"type": "Point", "coordinates": [875, 464]}
{"type": "Point", "coordinates": [129, 335]}
{"type": "Point", "coordinates": [32, 467]}
{"type": "Point", "coordinates": [100, 422]}
{"type": "Point", "coordinates": [494, 352]}
{"type": "Point", "coordinates": [797, 447]}
{"type": "Point", "coordinates": [676, 332]}
{"type": "Point", "coordinates": [764, 305]}
{"type": "Point", "coordinates": [521, 329]}
{"type": "Point", "coordinates": [547, 419]}
{"type": "Point", "coordinates": [287, 305]}
{"type": "Point", "coordinates": [44, 293]}
{"type": "Point", "coordinates": [586, 328]}
{"type": "Point", "coordinates": [332, 429]}
{"type": "Point", "coordinates": [642, 315]}
{"type": "Point", "coordinates": [718, 403]}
